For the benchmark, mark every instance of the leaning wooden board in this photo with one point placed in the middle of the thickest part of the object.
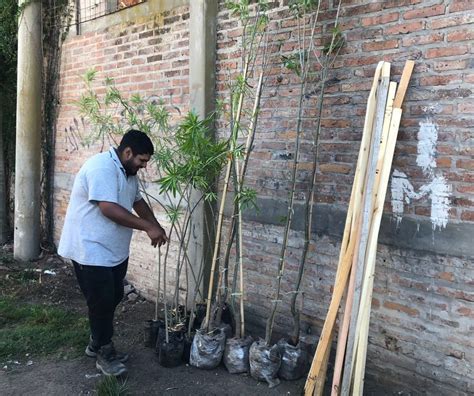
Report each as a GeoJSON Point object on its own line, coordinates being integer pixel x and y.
{"type": "Point", "coordinates": [386, 166]}
{"type": "Point", "coordinates": [345, 262]}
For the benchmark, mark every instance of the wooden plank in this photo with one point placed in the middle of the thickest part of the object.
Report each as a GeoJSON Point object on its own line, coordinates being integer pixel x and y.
{"type": "Point", "coordinates": [365, 307]}
{"type": "Point", "coordinates": [370, 189]}
{"type": "Point", "coordinates": [345, 259]}
{"type": "Point", "coordinates": [372, 240]}
{"type": "Point", "coordinates": [321, 379]}
{"type": "Point", "coordinates": [392, 123]}
{"type": "Point", "coordinates": [403, 86]}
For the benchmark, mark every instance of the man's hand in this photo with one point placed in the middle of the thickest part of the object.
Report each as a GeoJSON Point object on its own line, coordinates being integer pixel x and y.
{"type": "Point", "coordinates": [157, 235]}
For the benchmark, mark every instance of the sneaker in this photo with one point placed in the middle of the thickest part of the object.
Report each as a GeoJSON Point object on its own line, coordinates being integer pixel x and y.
{"type": "Point", "coordinates": [107, 363]}
{"type": "Point", "coordinates": [91, 351]}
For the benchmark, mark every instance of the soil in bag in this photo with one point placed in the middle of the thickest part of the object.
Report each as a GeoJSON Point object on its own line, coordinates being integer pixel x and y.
{"type": "Point", "coordinates": [170, 354]}
{"type": "Point", "coordinates": [236, 355]}
{"type": "Point", "coordinates": [294, 360]}
{"type": "Point", "coordinates": [207, 349]}
{"type": "Point", "coordinates": [265, 362]}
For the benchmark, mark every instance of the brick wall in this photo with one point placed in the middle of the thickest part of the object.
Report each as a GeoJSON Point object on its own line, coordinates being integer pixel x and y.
{"type": "Point", "coordinates": [423, 302]}
{"type": "Point", "coordinates": [423, 307]}
{"type": "Point", "coordinates": [147, 55]}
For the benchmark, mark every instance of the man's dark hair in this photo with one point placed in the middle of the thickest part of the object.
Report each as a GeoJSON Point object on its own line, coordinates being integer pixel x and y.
{"type": "Point", "coordinates": [138, 141]}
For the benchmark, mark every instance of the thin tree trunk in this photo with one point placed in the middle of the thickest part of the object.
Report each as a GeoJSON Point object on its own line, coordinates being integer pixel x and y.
{"type": "Point", "coordinates": [3, 195]}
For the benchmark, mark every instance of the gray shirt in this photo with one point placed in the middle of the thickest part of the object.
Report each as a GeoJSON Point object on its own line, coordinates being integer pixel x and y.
{"type": "Point", "coordinates": [88, 237]}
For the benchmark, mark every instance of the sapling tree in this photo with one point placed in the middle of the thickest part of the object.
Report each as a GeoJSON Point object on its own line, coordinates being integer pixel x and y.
{"type": "Point", "coordinates": [310, 64]}
{"type": "Point", "coordinates": [186, 157]}
{"type": "Point", "coordinates": [325, 60]}
{"type": "Point", "coordinates": [242, 124]}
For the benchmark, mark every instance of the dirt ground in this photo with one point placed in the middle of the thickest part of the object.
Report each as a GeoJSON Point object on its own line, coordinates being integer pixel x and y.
{"type": "Point", "coordinates": [78, 376]}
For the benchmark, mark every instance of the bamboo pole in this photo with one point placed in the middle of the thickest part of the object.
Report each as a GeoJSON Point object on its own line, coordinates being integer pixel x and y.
{"type": "Point", "coordinates": [345, 259]}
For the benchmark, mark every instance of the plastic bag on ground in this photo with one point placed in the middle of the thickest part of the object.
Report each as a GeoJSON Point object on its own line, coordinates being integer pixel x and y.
{"type": "Point", "coordinates": [236, 355]}
{"type": "Point", "coordinates": [207, 349]}
{"type": "Point", "coordinates": [294, 360]}
{"type": "Point", "coordinates": [265, 362]}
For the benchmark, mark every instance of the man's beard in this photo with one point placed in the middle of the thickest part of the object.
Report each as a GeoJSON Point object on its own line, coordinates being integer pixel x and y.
{"type": "Point", "coordinates": [130, 170]}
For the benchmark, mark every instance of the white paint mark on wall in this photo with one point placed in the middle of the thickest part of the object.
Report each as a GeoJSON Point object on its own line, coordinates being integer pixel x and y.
{"type": "Point", "coordinates": [427, 139]}
{"type": "Point", "coordinates": [402, 192]}
{"type": "Point", "coordinates": [437, 190]}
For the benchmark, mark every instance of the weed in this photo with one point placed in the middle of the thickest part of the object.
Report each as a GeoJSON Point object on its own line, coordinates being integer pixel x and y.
{"type": "Point", "coordinates": [39, 330]}
{"type": "Point", "coordinates": [111, 386]}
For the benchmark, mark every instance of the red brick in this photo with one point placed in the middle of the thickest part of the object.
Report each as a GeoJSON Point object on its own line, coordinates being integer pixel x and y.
{"type": "Point", "coordinates": [465, 311]}
{"type": "Point", "coordinates": [442, 23]}
{"type": "Point", "coordinates": [467, 215]}
{"type": "Point", "coordinates": [461, 35]}
{"type": "Point", "coordinates": [465, 189]}
{"type": "Point", "coordinates": [446, 51]}
{"type": "Point", "coordinates": [401, 308]}
{"type": "Point", "coordinates": [335, 168]}
{"type": "Point", "coordinates": [443, 162]}
{"type": "Point", "coordinates": [450, 65]}
{"type": "Point", "coordinates": [425, 12]}
{"type": "Point", "coordinates": [422, 39]}
{"type": "Point", "coordinates": [434, 81]}
{"type": "Point", "coordinates": [380, 45]}
{"type": "Point", "coordinates": [405, 28]}
{"type": "Point", "coordinates": [380, 19]}
{"type": "Point", "coordinates": [465, 164]}
{"type": "Point", "coordinates": [447, 276]}
{"type": "Point", "coordinates": [461, 5]}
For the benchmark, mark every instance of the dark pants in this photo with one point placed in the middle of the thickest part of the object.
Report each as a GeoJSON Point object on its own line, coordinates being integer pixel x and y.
{"type": "Point", "coordinates": [103, 289]}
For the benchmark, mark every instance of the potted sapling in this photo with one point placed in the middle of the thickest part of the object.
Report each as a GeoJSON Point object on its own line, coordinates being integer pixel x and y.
{"type": "Point", "coordinates": [196, 162]}
{"type": "Point", "coordinates": [208, 345]}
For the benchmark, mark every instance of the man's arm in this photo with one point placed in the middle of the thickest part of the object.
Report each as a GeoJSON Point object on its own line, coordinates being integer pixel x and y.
{"type": "Point", "coordinates": [121, 216]}
{"type": "Point", "coordinates": [144, 211]}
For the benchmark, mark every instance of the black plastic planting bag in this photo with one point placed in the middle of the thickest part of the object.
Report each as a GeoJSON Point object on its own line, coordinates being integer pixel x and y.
{"type": "Point", "coordinates": [265, 362]}
{"type": "Point", "coordinates": [170, 354]}
{"type": "Point", "coordinates": [236, 355]}
{"type": "Point", "coordinates": [207, 349]}
{"type": "Point", "coordinates": [294, 360]}
{"type": "Point", "coordinates": [188, 342]}
{"type": "Point", "coordinates": [151, 332]}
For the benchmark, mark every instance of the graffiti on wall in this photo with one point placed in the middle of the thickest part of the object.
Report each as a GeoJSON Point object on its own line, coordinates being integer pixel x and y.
{"type": "Point", "coordinates": [437, 190]}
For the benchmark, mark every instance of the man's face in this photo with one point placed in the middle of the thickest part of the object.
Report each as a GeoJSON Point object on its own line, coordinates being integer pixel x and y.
{"type": "Point", "coordinates": [133, 163]}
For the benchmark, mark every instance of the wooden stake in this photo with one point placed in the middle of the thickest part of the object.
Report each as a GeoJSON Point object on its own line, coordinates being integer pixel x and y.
{"type": "Point", "coordinates": [403, 86]}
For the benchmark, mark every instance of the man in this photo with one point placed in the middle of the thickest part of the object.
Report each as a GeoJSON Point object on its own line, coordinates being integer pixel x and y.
{"type": "Point", "coordinates": [97, 232]}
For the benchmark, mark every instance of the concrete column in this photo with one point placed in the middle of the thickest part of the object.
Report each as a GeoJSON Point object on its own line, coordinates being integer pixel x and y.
{"type": "Point", "coordinates": [202, 48]}
{"type": "Point", "coordinates": [28, 133]}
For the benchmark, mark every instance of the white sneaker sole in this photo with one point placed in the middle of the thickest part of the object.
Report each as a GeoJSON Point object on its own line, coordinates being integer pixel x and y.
{"type": "Point", "coordinates": [122, 371]}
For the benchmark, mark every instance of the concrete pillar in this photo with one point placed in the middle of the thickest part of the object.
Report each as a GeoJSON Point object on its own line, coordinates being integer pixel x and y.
{"type": "Point", "coordinates": [28, 133]}
{"type": "Point", "coordinates": [202, 48]}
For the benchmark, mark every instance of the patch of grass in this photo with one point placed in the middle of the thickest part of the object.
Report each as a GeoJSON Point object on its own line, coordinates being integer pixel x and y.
{"type": "Point", "coordinates": [111, 386]}
{"type": "Point", "coordinates": [39, 330]}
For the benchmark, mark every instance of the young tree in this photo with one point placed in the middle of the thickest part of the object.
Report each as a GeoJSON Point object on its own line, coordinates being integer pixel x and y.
{"type": "Point", "coordinates": [8, 50]}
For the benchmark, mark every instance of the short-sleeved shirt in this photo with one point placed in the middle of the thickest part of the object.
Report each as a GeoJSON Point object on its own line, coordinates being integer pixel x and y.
{"type": "Point", "coordinates": [88, 237]}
